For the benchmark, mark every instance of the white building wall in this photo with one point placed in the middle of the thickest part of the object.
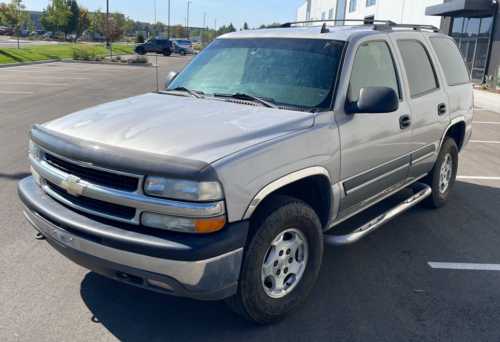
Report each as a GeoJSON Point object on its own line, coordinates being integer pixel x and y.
{"type": "Point", "coordinates": [399, 11]}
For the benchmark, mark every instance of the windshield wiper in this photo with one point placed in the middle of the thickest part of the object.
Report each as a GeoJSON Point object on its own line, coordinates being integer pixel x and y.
{"type": "Point", "coordinates": [242, 96]}
{"type": "Point", "coordinates": [194, 93]}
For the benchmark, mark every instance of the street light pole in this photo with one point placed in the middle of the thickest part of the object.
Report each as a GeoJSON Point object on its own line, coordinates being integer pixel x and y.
{"type": "Point", "coordinates": [17, 24]}
{"type": "Point", "coordinates": [187, 25]}
{"type": "Point", "coordinates": [168, 19]}
{"type": "Point", "coordinates": [203, 38]}
{"type": "Point", "coordinates": [107, 15]}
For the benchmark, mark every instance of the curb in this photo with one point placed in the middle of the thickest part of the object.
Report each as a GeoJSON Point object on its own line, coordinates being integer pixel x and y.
{"type": "Point", "coordinates": [101, 63]}
{"type": "Point", "coordinates": [487, 105]}
{"type": "Point", "coordinates": [10, 65]}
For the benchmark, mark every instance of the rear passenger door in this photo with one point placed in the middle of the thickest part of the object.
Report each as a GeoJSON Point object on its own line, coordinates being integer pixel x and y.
{"type": "Point", "coordinates": [428, 101]}
{"type": "Point", "coordinates": [374, 147]}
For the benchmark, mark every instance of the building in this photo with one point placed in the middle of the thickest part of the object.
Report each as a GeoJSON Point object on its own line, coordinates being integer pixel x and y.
{"type": "Point", "coordinates": [474, 24]}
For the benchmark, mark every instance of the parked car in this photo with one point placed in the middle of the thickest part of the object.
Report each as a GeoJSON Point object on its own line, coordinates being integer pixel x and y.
{"type": "Point", "coordinates": [37, 33]}
{"type": "Point", "coordinates": [183, 46]}
{"type": "Point", "coordinates": [72, 37]}
{"type": "Point", "coordinates": [163, 46]}
{"type": "Point", "coordinates": [25, 33]}
{"type": "Point", "coordinates": [49, 34]}
{"type": "Point", "coordinates": [227, 184]}
{"type": "Point", "coordinates": [6, 31]}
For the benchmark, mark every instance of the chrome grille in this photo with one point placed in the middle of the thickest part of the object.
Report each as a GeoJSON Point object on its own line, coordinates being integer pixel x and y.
{"type": "Point", "coordinates": [94, 176]}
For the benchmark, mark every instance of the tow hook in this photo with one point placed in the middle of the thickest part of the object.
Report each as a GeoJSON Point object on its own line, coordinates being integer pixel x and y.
{"type": "Point", "coordinates": [39, 236]}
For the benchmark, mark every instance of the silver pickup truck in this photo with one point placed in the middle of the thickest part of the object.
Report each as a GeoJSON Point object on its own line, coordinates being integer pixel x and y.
{"type": "Point", "coordinates": [222, 185]}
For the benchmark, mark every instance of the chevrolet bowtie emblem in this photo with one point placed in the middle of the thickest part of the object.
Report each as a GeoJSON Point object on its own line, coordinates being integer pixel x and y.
{"type": "Point", "coordinates": [72, 186]}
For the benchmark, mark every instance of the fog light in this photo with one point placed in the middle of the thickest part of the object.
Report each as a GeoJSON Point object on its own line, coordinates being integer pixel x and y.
{"type": "Point", "coordinates": [38, 178]}
{"type": "Point", "coordinates": [182, 224]}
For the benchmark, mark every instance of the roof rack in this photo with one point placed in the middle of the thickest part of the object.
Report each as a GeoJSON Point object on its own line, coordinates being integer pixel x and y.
{"type": "Point", "coordinates": [378, 25]}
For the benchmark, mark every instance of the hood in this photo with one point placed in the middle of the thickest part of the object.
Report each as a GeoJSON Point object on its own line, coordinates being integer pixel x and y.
{"type": "Point", "coordinates": [186, 127]}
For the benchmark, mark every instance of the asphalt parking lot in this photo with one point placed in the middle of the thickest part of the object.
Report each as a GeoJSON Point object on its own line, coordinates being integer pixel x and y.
{"type": "Point", "coordinates": [379, 289]}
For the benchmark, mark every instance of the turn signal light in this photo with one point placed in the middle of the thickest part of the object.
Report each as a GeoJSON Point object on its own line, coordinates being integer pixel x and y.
{"type": "Point", "coordinates": [206, 226]}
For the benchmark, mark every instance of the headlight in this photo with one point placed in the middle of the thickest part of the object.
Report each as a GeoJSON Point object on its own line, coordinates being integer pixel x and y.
{"type": "Point", "coordinates": [182, 224]}
{"type": "Point", "coordinates": [183, 189]}
{"type": "Point", "coordinates": [34, 150]}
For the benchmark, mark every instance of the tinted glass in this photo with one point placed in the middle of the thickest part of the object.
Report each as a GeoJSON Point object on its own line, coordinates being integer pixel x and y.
{"type": "Point", "coordinates": [471, 27]}
{"type": "Point", "coordinates": [456, 31]}
{"type": "Point", "coordinates": [352, 5]}
{"type": "Point", "coordinates": [451, 61]}
{"type": "Point", "coordinates": [481, 52]}
{"type": "Point", "coordinates": [341, 4]}
{"type": "Point", "coordinates": [486, 25]}
{"type": "Point", "coordinates": [373, 67]}
{"type": "Point", "coordinates": [183, 41]}
{"type": "Point", "coordinates": [298, 72]}
{"type": "Point", "coordinates": [419, 71]}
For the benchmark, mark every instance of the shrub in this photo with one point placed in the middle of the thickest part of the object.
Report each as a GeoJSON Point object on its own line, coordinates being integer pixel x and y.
{"type": "Point", "coordinates": [140, 59]}
{"type": "Point", "coordinates": [485, 85]}
{"type": "Point", "coordinates": [118, 58]}
{"type": "Point", "coordinates": [84, 53]}
{"type": "Point", "coordinates": [139, 38]}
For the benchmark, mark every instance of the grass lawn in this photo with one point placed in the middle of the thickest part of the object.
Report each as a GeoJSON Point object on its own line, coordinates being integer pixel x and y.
{"type": "Point", "coordinates": [45, 52]}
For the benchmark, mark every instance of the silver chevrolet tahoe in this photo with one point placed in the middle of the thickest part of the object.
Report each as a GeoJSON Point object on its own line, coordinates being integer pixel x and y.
{"type": "Point", "coordinates": [223, 185]}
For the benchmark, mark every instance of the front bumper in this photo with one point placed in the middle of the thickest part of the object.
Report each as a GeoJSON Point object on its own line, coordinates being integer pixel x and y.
{"type": "Point", "coordinates": [203, 267]}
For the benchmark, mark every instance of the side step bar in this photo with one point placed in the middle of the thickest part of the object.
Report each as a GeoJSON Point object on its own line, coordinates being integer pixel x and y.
{"type": "Point", "coordinates": [423, 191]}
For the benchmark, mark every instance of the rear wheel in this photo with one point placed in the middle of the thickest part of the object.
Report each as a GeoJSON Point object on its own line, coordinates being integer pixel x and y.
{"type": "Point", "coordinates": [182, 52]}
{"type": "Point", "coordinates": [442, 177]}
{"type": "Point", "coordinates": [141, 51]}
{"type": "Point", "coordinates": [166, 52]}
{"type": "Point", "coordinates": [281, 261]}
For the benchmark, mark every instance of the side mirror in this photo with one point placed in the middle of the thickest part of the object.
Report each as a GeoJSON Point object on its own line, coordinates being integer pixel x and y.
{"type": "Point", "coordinates": [170, 77]}
{"type": "Point", "coordinates": [374, 100]}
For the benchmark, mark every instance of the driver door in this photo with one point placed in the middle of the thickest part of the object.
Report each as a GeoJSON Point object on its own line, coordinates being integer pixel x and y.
{"type": "Point", "coordinates": [374, 147]}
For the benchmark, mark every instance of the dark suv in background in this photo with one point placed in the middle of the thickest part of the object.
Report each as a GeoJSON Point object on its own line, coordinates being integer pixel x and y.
{"type": "Point", "coordinates": [163, 46]}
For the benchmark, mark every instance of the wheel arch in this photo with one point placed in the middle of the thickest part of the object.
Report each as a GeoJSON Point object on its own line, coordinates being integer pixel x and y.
{"type": "Point", "coordinates": [456, 131]}
{"type": "Point", "coordinates": [311, 185]}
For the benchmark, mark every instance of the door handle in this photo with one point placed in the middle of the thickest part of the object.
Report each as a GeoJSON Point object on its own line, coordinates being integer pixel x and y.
{"type": "Point", "coordinates": [404, 121]}
{"type": "Point", "coordinates": [442, 109]}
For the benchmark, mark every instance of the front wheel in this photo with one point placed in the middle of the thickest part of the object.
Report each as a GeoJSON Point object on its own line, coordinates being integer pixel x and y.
{"type": "Point", "coordinates": [442, 177]}
{"type": "Point", "coordinates": [281, 261]}
{"type": "Point", "coordinates": [182, 52]}
{"type": "Point", "coordinates": [141, 51]}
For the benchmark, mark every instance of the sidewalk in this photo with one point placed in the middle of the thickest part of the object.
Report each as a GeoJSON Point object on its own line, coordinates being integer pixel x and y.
{"type": "Point", "coordinates": [486, 100]}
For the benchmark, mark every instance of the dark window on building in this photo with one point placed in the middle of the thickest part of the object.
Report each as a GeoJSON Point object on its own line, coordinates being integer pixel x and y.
{"type": "Point", "coordinates": [323, 16]}
{"type": "Point", "coordinates": [352, 5]}
{"type": "Point", "coordinates": [370, 2]}
{"type": "Point", "coordinates": [330, 14]}
{"type": "Point", "coordinates": [341, 4]}
{"type": "Point", "coordinates": [451, 61]}
{"type": "Point", "coordinates": [485, 28]}
{"type": "Point", "coordinates": [369, 20]}
{"type": "Point", "coordinates": [419, 70]}
{"type": "Point", "coordinates": [373, 67]}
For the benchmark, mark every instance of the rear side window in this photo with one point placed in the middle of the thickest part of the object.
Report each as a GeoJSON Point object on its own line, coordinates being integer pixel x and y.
{"type": "Point", "coordinates": [419, 70]}
{"type": "Point", "coordinates": [451, 61]}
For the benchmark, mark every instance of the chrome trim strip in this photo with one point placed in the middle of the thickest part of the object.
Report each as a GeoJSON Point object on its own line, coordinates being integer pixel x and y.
{"type": "Point", "coordinates": [192, 273]}
{"type": "Point", "coordinates": [338, 240]}
{"type": "Point", "coordinates": [404, 185]}
{"type": "Point", "coordinates": [290, 178]}
{"type": "Point", "coordinates": [374, 180]}
{"type": "Point", "coordinates": [134, 200]}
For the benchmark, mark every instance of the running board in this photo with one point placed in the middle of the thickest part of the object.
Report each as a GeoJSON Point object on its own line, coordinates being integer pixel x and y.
{"type": "Point", "coordinates": [339, 240]}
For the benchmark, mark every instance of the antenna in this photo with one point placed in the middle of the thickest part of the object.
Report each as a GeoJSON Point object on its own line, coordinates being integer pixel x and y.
{"type": "Point", "coordinates": [156, 67]}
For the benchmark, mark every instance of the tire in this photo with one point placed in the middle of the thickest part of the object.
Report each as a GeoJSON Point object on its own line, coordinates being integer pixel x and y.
{"type": "Point", "coordinates": [182, 52]}
{"type": "Point", "coordinates": [442, 176]}
{"type": "Point", "coordinates": [166, 52]}
{"type": "Point", "coordinates": [295, 221]}
{"type": "Point", "coordinates": [141, 51]}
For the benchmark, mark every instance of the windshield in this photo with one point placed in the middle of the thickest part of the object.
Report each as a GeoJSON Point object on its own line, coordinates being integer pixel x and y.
{"type": "Point", "coordinates": [296, 72]}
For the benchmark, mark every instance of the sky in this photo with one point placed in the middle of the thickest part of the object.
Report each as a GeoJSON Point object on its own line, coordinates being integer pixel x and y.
{"type": "Point", "coordinates": [254, 12]}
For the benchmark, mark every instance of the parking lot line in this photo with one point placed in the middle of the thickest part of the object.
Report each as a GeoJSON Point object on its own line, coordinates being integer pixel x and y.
{"type": "Point", "coordinates": [485, 142]}
{"type": "Point", "coordinates": [478, 177]}
{"type": "Point", "coordinates": [56, 78]}
{"type": "Point", "coordinates": [478, 109]}
{"type": "Point", "coordinates": [465, 266]}
{"type": "Point", "coordinates": [16, 92]}
{"type": "Point", "coordinates": [41, 71]}
{"type": "Point", "coordinates": [44, 84]}
{"type": "Point", "coordinates": [486, 122]}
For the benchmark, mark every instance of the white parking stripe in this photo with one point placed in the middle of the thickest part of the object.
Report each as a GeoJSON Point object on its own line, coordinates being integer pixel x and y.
{"type": "Point", "coordinates": [465, 266]}
{"type": "Point", "coordinates": [16, 92]}
{"type": "Point", "coordinates": [478, 177]}
{"type": "Point", "coordinates": [485, 122]}
{"type": "Point", "coordinates": [57, 78]}
{"type": "Point", "coordinates": [486, 142]}
{"type": "Point", "coordinates": [44, 84]}
{"type": "Point", "coordinates": [55, 72]}
{"type": "Point", "coordinates": [478, 109]}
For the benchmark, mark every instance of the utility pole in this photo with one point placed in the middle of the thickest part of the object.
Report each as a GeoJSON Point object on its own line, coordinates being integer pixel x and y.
{"type": "Point", "coordinates": [187, 25]}
{"type": "Point", "coordinates": [17, 24]}
{"type": "Point", "coordinates": [168, 19]}
{"type": "Point", "coordinates": [203, 38]}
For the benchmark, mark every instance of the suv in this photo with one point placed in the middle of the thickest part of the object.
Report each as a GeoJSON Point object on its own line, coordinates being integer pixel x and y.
{"type": "Point", "coordinates": [163, 46]}
{"type": "Point", "coordinates": [223, 185]}
{"type": "Point", "coordinates": [182, 46]}
{"type": "Point", "coordinates": [6, 31]}
{"type": "Point", "coordinates": [37, 33]}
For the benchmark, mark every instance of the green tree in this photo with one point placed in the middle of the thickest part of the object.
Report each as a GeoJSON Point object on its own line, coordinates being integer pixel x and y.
{"type": "Point", "coordinates": [14, 15]}
{"type": "Point", "coordinates": [245, 26]}
{"type": "Point", "coordinates": [139, 38]}
{"type": "Point", "coordinates": [83, 21]}
{"type": "Point", "coordinates": [71, 24]}
{"type": "Point", "coordinates": [231, 28]}
{"type": "Point", "coordinates": [55, 16]}
{"type": "Point", "coordinates": [129, 26]}
{"type": "Point", "coordinates": [113, 28]}
{"type": "Point", "coordinates": [262, 26]}
{"type": "Point", "coordinates": [31, 24]}
{"type": "Point", "coordinates": [180, 31]}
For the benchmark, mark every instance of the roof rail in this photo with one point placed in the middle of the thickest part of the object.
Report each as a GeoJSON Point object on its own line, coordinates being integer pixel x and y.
{"type": "Point", "coordinates": [378, 25]}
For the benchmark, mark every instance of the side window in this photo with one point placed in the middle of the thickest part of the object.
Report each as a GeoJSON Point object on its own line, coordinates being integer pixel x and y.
{"type": "Point", "coordinates": [419, 70]}
{"type": "Point", "coordinates": [451, 61]}
{"type": "Point", "coordinates": [373, 67]}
